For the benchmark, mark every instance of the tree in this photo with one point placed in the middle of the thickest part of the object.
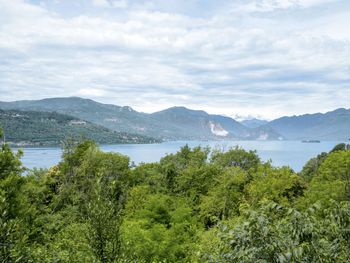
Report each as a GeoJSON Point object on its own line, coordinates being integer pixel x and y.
{"type": "Point", "coordinates": [94, 207]}
{"type": "Point", "coordinates": [236, 157]}
{"type": "Point", "coordinates": [10, 163]}
{"type": "Point", "coordinates": [280, 185]}
{"type": "Point", "coordinates": [97, 185]}
{"type": "Point", "coordinates": [224, 197]}
{"type": "Point", "coordinates": [275, 233]}
{"type": "Point", "coordinates": [332, 181]}
{"type": "Point", "coordinates": [158, 228]}
{"type": "Point", "coordinates": [310, 169]}
{"type": "Point", "coordinates": [173, 164]}
{"type": "Point", "coordinates": [12, 204]}
{"type": "Point", "coordinates": [340, 147]}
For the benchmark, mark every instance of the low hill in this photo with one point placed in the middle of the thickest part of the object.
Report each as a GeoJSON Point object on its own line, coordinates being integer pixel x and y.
{"type": "Point", "coordinates": [31, 128]}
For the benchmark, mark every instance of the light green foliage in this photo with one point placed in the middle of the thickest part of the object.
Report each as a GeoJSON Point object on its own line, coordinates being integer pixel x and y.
{"type": "Point", "coordinates": [96, 184]}
{"type": "Point", "coordinates": [277, 234]}
{"type": "Point", "coordinates": [310, 169]}
{"type": "Point", "coordinates": [174, 165]}
{"type": "Point", "coordinates": [68, 245]}
{"type": "Point", "coordinates": [12, 206]}
{"type": "Point", "coordinates": [192, 206]}
{"type": "Point", "coordinates": [195, 181]}
{"type": "Point", "coordinates": [9, 162]}
{"type": "Point", "coordinates": [280, 185]}
{"type": "Point", "coordinates": [332, 180]}
{"type": "Point", "coordinates": [103, 218]}
{"type": "Point", "coordinates": [248, 161]}
{"type": "Point", "coordinates": [224, 197]}
{"type": "Point", "coordinates": [158, 228]}
{"type": "Point", "coordinates": [149, 174]}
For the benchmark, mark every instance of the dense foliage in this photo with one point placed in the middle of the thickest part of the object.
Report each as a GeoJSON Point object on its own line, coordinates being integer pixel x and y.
{"type": "Point", "coordinates": [33, 128]}
{"type": "Point", "coordinates": [196, 205]}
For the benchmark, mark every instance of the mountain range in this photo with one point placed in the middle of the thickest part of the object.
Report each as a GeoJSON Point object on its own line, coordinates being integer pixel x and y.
{"type": "Point", "coordinates": [333, 125]}
{"type": "Point", "coordinates": [179, 123]}
{"type": "Point", "coordinates": [175, 123]}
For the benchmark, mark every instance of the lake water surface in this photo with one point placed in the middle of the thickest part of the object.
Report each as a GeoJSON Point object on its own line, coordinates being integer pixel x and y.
{"type": "Point", "coordinates": [292, 153]}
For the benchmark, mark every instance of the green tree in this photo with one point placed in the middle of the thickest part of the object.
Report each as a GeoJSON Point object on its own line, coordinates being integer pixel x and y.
{"type": "Point", "coordinates": [236, 157]}
{"type": "Point", "coordinates": [100, 184]}
{"type": "Point", "coordinates": [224, 197]}
{"type": "Point", "coordinates": [158, 227]}
{"type": "Point", "coordinates": [277, 234]}
{"type": "Point", "coordinates": [310, 169]}
{"type": "Point", "coordinates": [173, 164]}
{"type": "Point", "coordinates": [332, 181]}
{"type": "Point", "coordinates": [12, 206]}
{"type": "Point", "coordinates": [280, 185]}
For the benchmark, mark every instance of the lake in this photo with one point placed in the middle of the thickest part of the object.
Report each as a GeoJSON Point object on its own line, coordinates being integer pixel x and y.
{"type": "Point", "coordinates": [292, 153]}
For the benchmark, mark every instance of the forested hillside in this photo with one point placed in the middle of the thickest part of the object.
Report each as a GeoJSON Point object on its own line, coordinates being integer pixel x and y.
{"type": "Point", "coordinates": [31, 128]}
{"type": "Point", "coordinates": [198, 205]}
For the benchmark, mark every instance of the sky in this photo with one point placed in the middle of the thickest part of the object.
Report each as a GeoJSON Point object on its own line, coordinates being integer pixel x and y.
{"type": "Point", "coordinates": [240, 58]}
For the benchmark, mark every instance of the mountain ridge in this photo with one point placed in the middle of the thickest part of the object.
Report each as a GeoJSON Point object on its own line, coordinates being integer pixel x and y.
{"type": "Point", "coordinates": [332, 125]}
{"type": "Point", "coordinates": [170, 124]}
{"type": "Point", "coordinates": [254, 123]}
{"type": "Point", "coordinates": [179, 122]}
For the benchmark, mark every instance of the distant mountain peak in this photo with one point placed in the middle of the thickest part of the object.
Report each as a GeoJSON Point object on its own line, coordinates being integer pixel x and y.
{"type": "Point", "coordinates": [332, 125]}
{"type": "Point", "coordinates": [128, 108]}
{"type": "Point", "coordinates": [242, 117]}
{"type": "Point", "coordinates": [253, 123]}
{"type": "Point", "coordinates": [183, 110]}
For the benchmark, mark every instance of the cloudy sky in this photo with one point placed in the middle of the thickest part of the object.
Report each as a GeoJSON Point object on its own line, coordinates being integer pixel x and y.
{"type": "Point", "coordinates": [263, 58]}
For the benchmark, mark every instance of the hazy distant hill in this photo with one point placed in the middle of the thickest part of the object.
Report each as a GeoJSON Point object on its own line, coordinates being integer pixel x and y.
{"type": "Point", "coordinates": [334, 125]}
{"type": "Point", "coordinates": [170, 124]}
{"type": "Point", "coordinates": [44, 128]}
{"type": "Point", "coordinates": [253, 123]}
{"type": "Point", "coordinates": [199, 124]}
{"type": "Point", "coordinates": [182, 123]}
{"type": "Point", "coordinates": [196, 124]}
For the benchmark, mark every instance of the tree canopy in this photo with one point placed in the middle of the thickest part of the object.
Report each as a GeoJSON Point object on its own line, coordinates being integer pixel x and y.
{"type": "Point", "coordinates": [197, 205]}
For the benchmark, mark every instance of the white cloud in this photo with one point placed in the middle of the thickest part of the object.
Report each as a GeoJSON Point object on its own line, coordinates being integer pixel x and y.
{"type": "Point", "coordinates": [91, 92]}
{"type": "Point", "coordinates": [110, 3]}
{"type": "Point", "coordinates": [267, 62]}
{"type": "Point", "coordinates": [120, 3]}
{"type": "Point", "coordinates": [100, 3]}
{"type": "Point", "coordinates": [310, 3]}
{"type": "Point", "coordinates": [276, 5]}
